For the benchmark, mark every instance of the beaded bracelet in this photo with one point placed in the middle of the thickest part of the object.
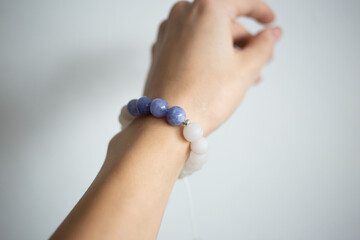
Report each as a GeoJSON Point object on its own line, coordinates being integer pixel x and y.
{"type": "Point", "coordinates": [176, 116]}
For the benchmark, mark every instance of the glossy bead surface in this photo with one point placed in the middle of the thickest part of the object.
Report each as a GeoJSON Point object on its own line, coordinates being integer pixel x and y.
{"type": "Point", "coordinates": [186, 122]}
{"type": "Point", "coordinates": [143, 105]}
{"type": "Point", "coordinates": [175, 116]}
{"type": "Point", "coordinates": [159, 107]}
{"type": "Point", "coordinates": [132, 108]}
{"type": "Point", "coordinates": [199, 146]}
{"type": "Point", "coordinates": [193, 132]}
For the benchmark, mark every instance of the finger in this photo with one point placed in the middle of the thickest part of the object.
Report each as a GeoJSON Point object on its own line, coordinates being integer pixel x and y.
{"type": "Point", "coordinates": [153, 49]}
{"type": "Point", "coordinates": [260, 48]}
{"type": "Point", "coordinates": [240, 35]}
{"type": "Point", "coordinates": [256, 9]}
{"type": "Point", "coordinates": [258, 80]}
{"type": "Point", "coordinates": [179, 8]}
{"type": "Point", "coordinates": [162, 29]}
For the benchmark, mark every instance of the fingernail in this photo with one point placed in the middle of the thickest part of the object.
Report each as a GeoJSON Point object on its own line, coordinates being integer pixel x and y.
{"type": "Point", "coordinates": [276, 33]}
{"type": "Point", "coordinates": [257, 81]}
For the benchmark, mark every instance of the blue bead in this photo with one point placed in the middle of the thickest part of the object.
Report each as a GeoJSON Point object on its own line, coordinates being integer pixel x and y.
{"type": "Point", "coordinates": [143, 105]}
{"type": "Point", "coordinates": [132, 109]}
{"type": "Point", "coordinates": [176, 115]}
{"type": "Point", "coordinates": [159, 107]}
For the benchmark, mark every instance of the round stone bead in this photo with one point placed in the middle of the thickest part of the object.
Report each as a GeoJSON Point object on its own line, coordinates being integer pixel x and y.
{"type": "Point", "coordinates": [132, 108]}
{"type": "Point", "coordinates": [184, 173]}
{"type": "Point", "coordinates": [124, 114]}
{"type": "Point", "coordinates": [193, 132]}
{"type": "Point", "coordinates": [175, 116]}
{"type": "Point", "coordinates": [124, 123]}
{"type": "Point", "coordinates": [159, 107]}
{"type": "Point", "coordinates": [143, 105]}
{"type": "Point", "coordinates": [195, 162]}
{"type": "Point", "coordinates": [199, 146]}
{"type": "Point", "coordinates": [125, 117]}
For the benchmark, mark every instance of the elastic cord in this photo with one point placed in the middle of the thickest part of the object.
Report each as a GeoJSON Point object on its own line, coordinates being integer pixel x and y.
{"type": "Point", "coordinates": [191, 208]}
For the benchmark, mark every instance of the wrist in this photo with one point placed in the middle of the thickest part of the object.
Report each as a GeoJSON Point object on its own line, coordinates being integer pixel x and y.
{"type": "Point", "coordinates": [175, 116]}
{"type": "Point", "coordinates": [153, 137]}
{"type": "Point", "coordinates": [196, 109]}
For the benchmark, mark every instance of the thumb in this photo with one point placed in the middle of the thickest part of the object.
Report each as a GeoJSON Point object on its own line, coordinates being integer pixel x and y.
{"type": "Point", "coordinates": [259, 49]}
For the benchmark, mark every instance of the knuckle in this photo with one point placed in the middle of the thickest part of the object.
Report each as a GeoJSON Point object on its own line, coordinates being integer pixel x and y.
{"type": "Point", "coordinates": [153, 48]}
{"type": "Point", "coordinates": [179, 7]}
{"type": "Point", "coordinates": [205, 5]}
{"type": "Point", "coordinates": [163, 23]}
{"type": "Point", "coordinates": [267, 39]}
{"type": "Point", "coordinates": [162, 26]}
{"type": "Point", "coordinates": [268, 36]}
{"type": "Point", "coordinates": [204, 2]}
{"type": "Point", "coordinates": [252, 66]}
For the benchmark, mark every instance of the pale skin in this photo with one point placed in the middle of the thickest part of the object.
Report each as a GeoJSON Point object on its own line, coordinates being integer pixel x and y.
{"type": "Point", "coordinates": [196, 66]}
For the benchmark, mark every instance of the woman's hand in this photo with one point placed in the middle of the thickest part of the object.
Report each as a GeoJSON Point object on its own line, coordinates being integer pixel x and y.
{"type": "Point", "coordinates": [204, 61]}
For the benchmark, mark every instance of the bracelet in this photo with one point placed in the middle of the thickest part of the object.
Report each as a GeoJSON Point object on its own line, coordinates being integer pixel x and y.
{"type": "Point", "coordinates": [176, 116]}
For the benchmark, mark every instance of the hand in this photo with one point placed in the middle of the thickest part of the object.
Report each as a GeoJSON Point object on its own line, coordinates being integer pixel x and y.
{"type": "Point", "coordinates": [204, 61]}
{"type": "Point", "coordinates": [195, 66]}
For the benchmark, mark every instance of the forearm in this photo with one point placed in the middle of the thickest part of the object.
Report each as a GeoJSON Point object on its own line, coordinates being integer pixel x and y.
{"type": "Point", "coordinates": [130, 193]}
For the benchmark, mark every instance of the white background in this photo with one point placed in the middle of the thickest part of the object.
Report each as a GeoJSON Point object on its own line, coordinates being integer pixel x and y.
{"type": "Point", "coordinates": [285, 166]}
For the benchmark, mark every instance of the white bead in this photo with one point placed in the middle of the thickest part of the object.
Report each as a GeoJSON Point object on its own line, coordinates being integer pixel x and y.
{"type": "Point", "coordinates": [124, 123]}
{"type": "Point", "coordinates": [125, 118]}
{"type": "Point", "coordinates": [193, 132]}
{"type": "Point", "coordinates": [199, 146]}
{"type": "Point", "coordinates": [195, 162]}
{"type": "Point", "coordinates": [184, 173]}
{"type": "Point", "coordinates": [125, 114]}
